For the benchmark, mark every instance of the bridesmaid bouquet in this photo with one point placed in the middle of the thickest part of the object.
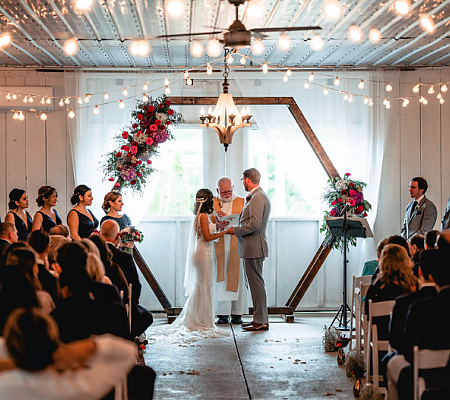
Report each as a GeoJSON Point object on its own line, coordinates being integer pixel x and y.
{"type": "Point", "coordinates": [128, 236]}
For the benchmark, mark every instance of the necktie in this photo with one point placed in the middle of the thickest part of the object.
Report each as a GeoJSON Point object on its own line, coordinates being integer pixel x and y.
{"type": "Point", "coordinates": [414, 205]}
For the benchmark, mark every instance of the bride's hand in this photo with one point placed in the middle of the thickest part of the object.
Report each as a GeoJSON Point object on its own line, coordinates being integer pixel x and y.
{"type": "Point", "coordinates": [230, 231]}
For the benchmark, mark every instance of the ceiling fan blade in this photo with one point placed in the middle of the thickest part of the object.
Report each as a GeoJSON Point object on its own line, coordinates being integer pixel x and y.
{"type": "Point", "coordinates": [295, 28]}
{"type": "Point", "coordinates": [180, 35]}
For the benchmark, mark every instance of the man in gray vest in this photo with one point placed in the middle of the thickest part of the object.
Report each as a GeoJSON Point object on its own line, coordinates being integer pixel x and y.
{"type": "Point", "coordinates": [252, 246]}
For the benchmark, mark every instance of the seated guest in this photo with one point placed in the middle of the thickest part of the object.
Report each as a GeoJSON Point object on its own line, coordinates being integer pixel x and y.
{"type": "Point", "coordinates": [18, 202]}
{"type": "Point", "coordinates": [56, 242]}
{"type": "Point", "coordinates": [79, 314]}
{"type": "Point", "coordinates": [94, 264]}
{"type": "Point", "coordinates": [47, 217]}
{"type": "Point", "coordinates": [60, 230]}
{"type": "Point", "coordinates": [416, 246]}
{"type": "Point", "coordinates": [8, 235]}
{"type": "Point", "coordinates": [371, 266]}
{"type": "Point", "coordinates": [430, 239]}
{"type": "Point", "coordinates": [81, 221]}
{"type": "Point", "coordinates": [36, 365]}
{"type": "Point", "coordinates": [39, 242]}
{"type": "Point", "coordinates": [141, 318]}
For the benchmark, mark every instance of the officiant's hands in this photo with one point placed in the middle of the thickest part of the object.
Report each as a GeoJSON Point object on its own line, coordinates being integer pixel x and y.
{"type": "Point", "coordinates": [221, 213]}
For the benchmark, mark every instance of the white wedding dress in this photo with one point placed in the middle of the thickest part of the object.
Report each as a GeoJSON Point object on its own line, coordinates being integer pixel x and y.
{"type": "Point", "coordinates": [196, 320]}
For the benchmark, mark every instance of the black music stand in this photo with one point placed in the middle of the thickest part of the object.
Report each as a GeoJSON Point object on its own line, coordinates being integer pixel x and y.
{"type": "Point", "coordinates": [346, 227]}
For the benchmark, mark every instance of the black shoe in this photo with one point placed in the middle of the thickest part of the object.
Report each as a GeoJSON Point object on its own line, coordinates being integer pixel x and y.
{"type": "Point", "coordinates": [236, 319]}
{"type": "Point", "coordinates": [223, 319]}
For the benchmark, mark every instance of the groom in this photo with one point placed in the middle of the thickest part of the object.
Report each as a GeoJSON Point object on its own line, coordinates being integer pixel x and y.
{"type": "Point", "coordinates": [252, 246]}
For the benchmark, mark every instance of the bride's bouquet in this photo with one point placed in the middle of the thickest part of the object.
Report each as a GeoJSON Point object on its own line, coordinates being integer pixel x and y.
{"type": "Point", "coordinates": [128, 236]}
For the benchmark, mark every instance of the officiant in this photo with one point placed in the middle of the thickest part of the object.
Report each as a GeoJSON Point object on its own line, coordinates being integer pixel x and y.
{"type": "Point", "coordinates": [231, 290]}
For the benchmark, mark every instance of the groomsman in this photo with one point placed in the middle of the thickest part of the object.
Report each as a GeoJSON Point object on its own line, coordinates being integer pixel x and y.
{"type": "Point", "coordinates": [445, 223]}
{"type": "Point", "coordinates": [252, 246]}
{"type": "Point", "coordinates": [421, 213]}
{"type": "Point", "coordinates": [231, 293]}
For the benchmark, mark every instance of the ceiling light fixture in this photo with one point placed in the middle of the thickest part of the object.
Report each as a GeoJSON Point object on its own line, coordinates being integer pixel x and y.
{"type": "Point", "coordinates": [213, 48]}
{"type": "Point", "coordinates": [332, 9]}
{"type": "Point", "coordinates": [402, 6]}
{"type": "Point", "coordinates": [316, 43]}
{"type": "Point", "coordinates": [140, 48]}
{"type": "Point", "coordinates": [197, 49]}
{"type": "Point", "coordinates": [71, 47]}
{"type": "Point", "coordinates": [258, 47]}
{"type": "Point", "coordinates": [427, 23]}
{"type": "Point", "coordinates": [375, 35]}
{"type": "Point", "coordinates": [83, 5]}
{"type": "Point", "coordinates": [284, 42]}
{"type": "Point", "coordinates": [355, 33]}
{"type": "Point", "coordinates": [175, 8]}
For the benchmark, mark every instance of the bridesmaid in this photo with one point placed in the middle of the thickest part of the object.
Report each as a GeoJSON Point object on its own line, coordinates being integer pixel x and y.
{"type": "Point", "coordinates": [46, 218]}
{"type": "Point", "coordinates": [112, 205]}
{"type": "Point", "coordinates": [18, 201]}
{"type": "Point", "coordinates": [81, 221]}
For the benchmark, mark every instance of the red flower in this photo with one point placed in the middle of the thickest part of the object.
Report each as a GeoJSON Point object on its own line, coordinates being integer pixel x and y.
{"type": "Point", "coordinates": [118, 154]}
{"type": "Point", "coordinates": [347, 174]}
{"type": "Point", "coordinates": [340, 200]}
{"type": "Point", "coordinates": [168, 123]}
{"type": "Point", "coordinates": [139, 133]}
{"type": "Point", "coordinates": [364, 215]}
{"type": "Point", "coordinates": [147, 131]}
{"type": "Point", "coordinates": [351, 192]}
{"type": "Point", "coordinates": [359, 210]}
{"type": "Point", "coordinates": [139, 174]}
{"type": "Point", "coordinates": [162, 127]}
{"type": "Point", "coordinates": [125, 135]}
{"type": "Point", "coordinates": [149, 161]}
{"type": "Point", "coordinates": [151, 108]}
{"type": "Point", "coordinates": [149, 141]}
{"type": "Point", "coordinates": [133, 182]}
{"type": "Point", "coordinates": [126, 148]}
{"type": "Point", "coordinates": [334, 202]}
{"type": "Point", "coordinates": [351, 184]}
{"type": "Point", "coordinates": [157, 122]}
{"type": "Point", "coordinates": [117, 184]}
{"type": "Point", "coordinates": [110, 179]}
{"type": "Point", "coordinates": [161, 105]}
{"type": "Point", "coordinates": [332, 212]}
{"type": "Point", "coordinates": [153, 128]}
{"type": "Point", "coordinates": [168, 103]}
{"type": "Point", "coordinates": [140, 116]}
{"type": "Point", "coordinates": [135, 126]}
{"type": "Point", "coordinates": [170, 111]}
{"type": "Point", "coordinates": [134, 143]}
{"type": "Point", "coordinates": [343, 192]}
{"type": "Point", "coordinates": [122, 147]}
{"type": "Point", "coordinates": [134, 149]}
{"type": "Point", "coordinates": [139, 162]}
{"type": "Point", "coordinates": [352, 202]}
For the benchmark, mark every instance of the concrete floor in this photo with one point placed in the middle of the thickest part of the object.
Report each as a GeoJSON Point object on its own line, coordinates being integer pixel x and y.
{"type": "Point", "coordinates": [286, 362]}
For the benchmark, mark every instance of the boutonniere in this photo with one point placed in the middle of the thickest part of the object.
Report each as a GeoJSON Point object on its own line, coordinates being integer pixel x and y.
{"type": "Point", "coordinates": [247, 199]}
{"type": "Point", "coordinates": [418, 209]}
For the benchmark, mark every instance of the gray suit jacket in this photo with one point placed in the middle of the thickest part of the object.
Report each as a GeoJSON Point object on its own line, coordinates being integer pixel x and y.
{"type": "Point", "coordinates": [420, 220]}
{"type": "Point", "coordinates": [445, 223]}
{"type": "Point", "coordinates": [251, 232]}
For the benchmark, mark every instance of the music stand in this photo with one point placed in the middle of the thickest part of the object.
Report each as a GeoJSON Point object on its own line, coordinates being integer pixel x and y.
{"type": "Point", "coordinates": [343, 227]}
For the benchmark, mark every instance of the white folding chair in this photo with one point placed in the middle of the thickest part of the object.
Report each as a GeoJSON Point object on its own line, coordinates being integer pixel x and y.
{"type": "Point", "coordinates": [379, 309]}
{"type": "Point", "coordinates": [356, 310]}
{"type": "Point", "coordinates": [363, 321]}
{"type": "Point", "coordinates": [427, 359]}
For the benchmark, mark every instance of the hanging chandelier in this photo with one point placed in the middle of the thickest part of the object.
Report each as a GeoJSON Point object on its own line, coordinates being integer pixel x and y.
{"type": "Point", "coordinates": [225, 118]}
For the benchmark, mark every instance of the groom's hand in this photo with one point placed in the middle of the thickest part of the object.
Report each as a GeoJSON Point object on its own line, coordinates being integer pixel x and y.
{"type": "Point", "coordinates": [231, 231]}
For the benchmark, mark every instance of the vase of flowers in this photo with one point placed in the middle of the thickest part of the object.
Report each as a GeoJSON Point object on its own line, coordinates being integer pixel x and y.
{"type": "Point", "coordinates": [129, 236]}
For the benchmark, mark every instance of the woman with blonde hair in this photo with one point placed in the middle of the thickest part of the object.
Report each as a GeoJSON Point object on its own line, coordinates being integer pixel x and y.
{"type": "Point", "coordinates": [56, 242]}
{"type": "Point", "coordinates": [94, 264]}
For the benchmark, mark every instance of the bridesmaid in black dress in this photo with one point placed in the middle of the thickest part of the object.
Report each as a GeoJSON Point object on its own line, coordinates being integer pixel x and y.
{"type": "Point", "coordinates": [18, 201]}
{"type": "Point", "coordinates": [81, 221]}
{"type": "Point", "coordinates": [112, 205]}
{"type": "Point", "coordinates": [46, 218]}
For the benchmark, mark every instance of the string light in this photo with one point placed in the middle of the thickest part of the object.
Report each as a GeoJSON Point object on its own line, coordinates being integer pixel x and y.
{"type": "Point", "coordinates": [306, 85]}
{"type": "Point", "coordinates": [254, 9]}
{"type": "Point", "coordinates": [442, 101]}
{"type": "Point", "coordinates": [361, 84]}
{"type": "Point", "coordinates": [48, 101]}
{"type": "Point", "coordinates": [213, 48]}
{"type": "Point", "coordinates": [121, 104]}
{"type": "Point", "coordinates": [388, 105]}
{"type": "Point", "coordinates": [289, 72]}
{"type": "Point", "coordinates": [416, 88]}
{"type": "Point", "coordinates": [258, 47]}
{"type": "Point", "coordinates": [167, 90]}
{"type": "Point", "coordinates": [439, 96]}
{"type": "Point", "coordinates": [25, 99]}
{"type": "Point", "coordinates": [243, 60]}
{"type": "Point", "coordinates": [166, 82]}
{"type": "Point", "coordinates": [444, 88]}
{"type": "Point", "coordinates": [66, 100]}
{"type": "Point", "coordinates": [125, 91]}
{"type": "Point", "coordinates": [346, 96]}
{"type": "Point", "coordinates": [405, 103]}
{"type": "Point", "coordinates": [285, 78]}
{"type": "Point", "coordinates": [337, 82]}
{"type": "Point", "coordinates": [425, 102]}
{"type": "Point", "coordinates": [144, 98]}
{"type": "Point", "coordinates": [96, 110]}
{"type": "Point", "coordinates": [370, 102]}
{"type": "Point", "coordinates": [374, 35]}
{"type": "Point", "coordinates": [14, 96]}
{"type": "Point", "coordinates": [265, 68]}
{"type": "Point", "coordinates": [87, 98]}
{"type": "Point", "coordinates": [5, 39]}
{"type": "Point", "coordinates": [8, 96]}
{"type": "Point", "coordinates": [71, 114]}
{"type": "Point", "coordinates": [355, 33]}
{"type": "Point", "coordinates": [30, 99]}
{"type": "Point", "coordinates": [402, 6]}
{"type": "Point", "coordinates": [431, 90]}
{"type": "Point", "coordinates": [209, 69]}
{"type": "Point", "coordinates": [332, 9]}
{"type": "Point", "coordinates": [388, 87]}
{"type": "Point", "coordinates": [61, 103]}
{"type": "Point", "coordinates": [140, 48]}
{"type": "Point", "coordinates": [145, 87]}
{"type": "Point", "coordinates": [43, 101]}
{"type": "Point", "coordinates": [422, 99]}
{"type": "Point", "coordinates": [70, 47]}
{"type": "Point", "coordinates": [230, 59]}
{"type": "Point", "coordinates": [189, 82]}
{"type": "Point", "coordinates": [175, 8]}
{"type": "Point", "coordinates": [186, 76]}
{"type": "Point", "coordinates": [43, 117]}
{"type": "Point", "coordinates": [311, 77]}
{"type": "Point", "coordinates": [80, 100]}
{"type": "Point", "coordinates": [15, 115]}
{"type": "Point", "coordinates": [21, 117]}
{"type": "Point", "coordinates": [106, 96]}
{"type": "Point", "coordinates": [197, 49]}
{"type": "Point", "coordinates": [316, 43]}
{"type": "Point", "coordinates": [325, 91]}
{"type": "Point", "coordinates": [427, 23]}
{"type": "Point", "coordinates": [83, 5]}
{"type": "Point", "coordinates": [284, 42]}
{"type": "Point", "coordinates": [350, 98]}
{"type": "Point", "coordinates": [366, 100]}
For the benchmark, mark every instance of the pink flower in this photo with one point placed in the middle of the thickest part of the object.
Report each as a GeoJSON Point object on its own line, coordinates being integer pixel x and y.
{"type": "Point", "coordinates": [334, 202]}
{"type": "Point", "coordinates": [340, 200]}
{"type": "Point", "coordinates": [153, 128]}
{"type": "Point", "coordinates": [352, 202]}
{"type": "Point", "coordinates": [134, 149]}
{"type": "Point", "coordinates": [351, 192]}
{"type": "Point", "coordinates": [149, 141]}
{"type": "Point", "coordinates": [117, 184]}
{"type": "Point", "coordinates": [110, 179]}
{"type": "Point", "coordinates": [332, 213]}
{"type": "Point", "coordinates": [149, 162]}
{"type": "Point", "coordinates": [347, 174]}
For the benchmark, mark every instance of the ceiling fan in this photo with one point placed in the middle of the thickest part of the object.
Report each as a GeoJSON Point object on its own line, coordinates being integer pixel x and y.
{"type": "Point", "coordinates": [237, 35]}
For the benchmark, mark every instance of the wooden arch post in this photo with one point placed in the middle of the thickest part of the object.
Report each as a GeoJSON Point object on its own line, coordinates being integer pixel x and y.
{"type": "Point", "coordinates": [324, 249]}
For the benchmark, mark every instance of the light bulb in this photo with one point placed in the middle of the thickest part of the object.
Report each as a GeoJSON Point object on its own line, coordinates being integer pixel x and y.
{"type": "Point", "coordinates": [106, 96]}
{"type": "Point", "coordinates": [427, 23]}
{"type": "Point", "coordinates": [254, 10]}
{"type": "Point", "coordinates": [375, 35]}
{"type": "Point", "coordinates": [140, 48]}
{"type": "Point", "coordinates": [202, 111]}
{"type": "Point", "coordinates": [346, 96]}
{"type": "Point", "coordinates": [366, 100]}
{"type": "Point", "coordinates": [175, 8]}
{"type": "Point", "coordinates": [144, 98]}
{"type": "Point", "coordinates": [25, 99]}
{"type": "Point", "coordinates": [213, 48]}
{"type": "Point", "coordinates": [442, 101]}
{"type": "Point", "coordinates": [416, 88]}
{"type": "Point", "coordinates": [258, 47]}
{"type": "Point", "coordinates": [439, 96]}
{"type": "Point", "coordinates": [311, 76]}
{"type": "Point", "coordinates": [289, 72]}
{"type": "Point", "coordinates": [86, 99]}
{"type": "Point", "coordinates": [230, 59]}
{"type": "Point", "coordinates": [243, 60]}
{"type": "Point", "coordinates": [388, 87]}
{"type": "Point", "coordinates": [125, 91]}
{"type": "Point", "coordinates": [444, 88]}
{"type": "Point", "coordinates": [209, 69]}
{"type": "Point", "coordinates": [96, 110]}
{"type": "Point", "coordinates": [350, 98]}
{"type": "Point", "coordinates": [71, 47]}
{"type": "Point", "coordinates": [306, 85]}
{"type": "Point", "coordinates": [361, 84]}
{"type": "Point", "coordinates": [422, 99]}
{"type": "Point", "coordinates": [402, 6]}
{"type": "Point", "coordinates": [284, 42]}
{"type": "Point", "coordinates": [388, 105]}
{"type": "Point", "coordinates": [209, 110]}
{"type": "Point", "coordinates": [285, 78]}
{"type": "Point", "coordinates": [5, 39]}
{"type": "Point", "coordinates": [355, 33]}
{"type": "Point", "coordinates": [189, 82]}
{"type": "Point", "coordinates": [83, 4]}
{"type": "Point", "coordinates": [66, 100]}
{"type": "Point", "coordinates": [405, 103]}
{"type": "Point", "coordinates": [15, 115]}
{"type": "Point", "coordinates": [48, 101]}
{"type": "Point", "coordinates": [197, 49]}
{"type": "Point", "coordinates": [167, 90]}
{"type": "Point", "coordinates": [8, 96]}
{"type": "Point", "coordinates": [337, 82]}
{"type": "Point", "coordinates": [425, 102]}
{"type": "Point", "coordinates": [121, 105]}
{"type": "Point", "coordinates": [265, 68]}
{"type": "Point", "coordinates": [61, 103]}
{"type": "Point", "coordinates": [14, 96]}
{"type": "Point", "coordinates": [21, 117]}
{"type": "Point", "coordinates": [145, 87]}
{"type": "Point", "coordinates": [30, 99]}
{"type": "Point", "coordinates": [186, 75]}
{"type": "Point", "coordinates": [166, 81]}
{"type": "Point", "coordinates": [316, 43]}
{"type": "Point", "coordinates": [43, 100]}
{"type": "Point", "coordinates": [370, 102]}
{"type": "Point", "coordinates": [80, 100]}
{"type": "Point", "coordinates": [325, 91]}
{"type": "Point", "coordinates": [43, 117]}
{"type": "Point", "coordinates": [71, 114]}
{"type": "Point", "coordinates": [431, 90]}
{"type": "Point", "coordinates": [332, 9]}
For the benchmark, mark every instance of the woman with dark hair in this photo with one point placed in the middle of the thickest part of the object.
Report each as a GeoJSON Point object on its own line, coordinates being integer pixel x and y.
{"type": "Point", "coordinates": [81, 221]}
{"type": "Point", "coordinates": [47, 217]}
{"type": "Point", "coordinates": [112, 205]}
{"type": "Point", "coordinates": [18, 202]}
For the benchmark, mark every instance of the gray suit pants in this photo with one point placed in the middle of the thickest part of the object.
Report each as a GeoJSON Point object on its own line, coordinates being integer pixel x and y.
{"type": "Point", "coordinates": [253, 269]}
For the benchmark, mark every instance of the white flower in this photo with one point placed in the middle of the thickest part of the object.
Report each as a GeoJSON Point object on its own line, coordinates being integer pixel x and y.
{"type": "Point", "coordinates": [341, 185]}
{"type": "Point", "coordinates": [162, 117]}
{"type": "Point", "coordinates": [141, 139]}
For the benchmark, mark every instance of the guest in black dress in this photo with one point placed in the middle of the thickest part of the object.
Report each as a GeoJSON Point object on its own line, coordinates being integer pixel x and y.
{"type": "Point", "coordinates": [47, 217]}
{"type": "Point", "coordinates": [81, 221]}
{"type": "Point", "coordinates": [112, 205]}
{"type": "Point", "coordinates": [18, 202]}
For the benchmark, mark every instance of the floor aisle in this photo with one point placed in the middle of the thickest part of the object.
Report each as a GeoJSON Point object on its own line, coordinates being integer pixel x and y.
{"type": "Point", "coordinates": [287, 361]}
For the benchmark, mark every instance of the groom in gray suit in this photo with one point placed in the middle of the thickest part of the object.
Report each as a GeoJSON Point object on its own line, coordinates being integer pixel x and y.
{"type": "Point", "coordinates": [445, 223]}
{"type": "Point", "coordinates": [421, 213]}
{"type": "Point", "coordinates": [252, 246]}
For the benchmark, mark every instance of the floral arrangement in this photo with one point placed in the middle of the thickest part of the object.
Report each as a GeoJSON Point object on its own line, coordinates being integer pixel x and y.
{"type": "Point", "coordinates": [128, 236]}
{"type": "Point", "coordinates": [130, 164]}
{"type": "Point", "coordinates": [369, 392]}
{"type": "Point", "coordinates": [354, 364]}
{"type": "Point", "coordinates": [332, 339]}
{"type": "Point", "coordinates": [339, 193]}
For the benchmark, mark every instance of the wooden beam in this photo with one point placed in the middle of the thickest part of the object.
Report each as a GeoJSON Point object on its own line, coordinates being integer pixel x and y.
{"type": "Point", "coordinates": [248, 101]}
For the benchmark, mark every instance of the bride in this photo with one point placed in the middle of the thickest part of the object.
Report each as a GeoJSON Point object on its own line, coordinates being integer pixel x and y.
{"type": "Point", "coordinates": [196, 320]}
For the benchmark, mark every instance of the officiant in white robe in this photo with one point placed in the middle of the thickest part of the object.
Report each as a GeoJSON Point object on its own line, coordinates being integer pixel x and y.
{"type": "Point", "coordinates": [231, 290]}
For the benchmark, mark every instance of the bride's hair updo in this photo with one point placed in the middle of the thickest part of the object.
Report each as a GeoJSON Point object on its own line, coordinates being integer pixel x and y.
{"type": "Point", "coordinates": [204, 199]}
{"type": "Point", "coordinates": [80, 190]}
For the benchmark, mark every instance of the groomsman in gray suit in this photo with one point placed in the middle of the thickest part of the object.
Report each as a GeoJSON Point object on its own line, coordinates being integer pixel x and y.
{"type": "Point", "coordinates": [445, 223]}
{"type": "Point", "coordinates": [421, 213]}
{"type": "Point", "coordinates": [252, 246]}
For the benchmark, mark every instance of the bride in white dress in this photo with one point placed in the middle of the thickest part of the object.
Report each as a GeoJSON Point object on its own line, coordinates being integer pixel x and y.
{"type": "Point", "coordinates": [196, 320]}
